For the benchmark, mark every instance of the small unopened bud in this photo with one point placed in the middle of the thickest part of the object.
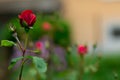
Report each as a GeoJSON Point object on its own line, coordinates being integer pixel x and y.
{"type": "Point", "coordinates": [12, 28]}
{"type": "Point", "coordinates": [82, 49]}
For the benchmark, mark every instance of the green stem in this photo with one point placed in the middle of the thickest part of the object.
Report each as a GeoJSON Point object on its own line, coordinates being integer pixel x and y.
{"type": "Point", "coordinates": [81, 72]}
{"type": "Point", "coordinates": [23, 60]}
{"type": "Point", "coordinates": [19, 44]}
{"type": "Point", "coordinates": [22, 66]}
{"type": "Point", "coordinates": [26, 41]}
{"type": "Point", "coordinates": [21, 70]}
{"type": "Point", "coordinates": [23, 49]}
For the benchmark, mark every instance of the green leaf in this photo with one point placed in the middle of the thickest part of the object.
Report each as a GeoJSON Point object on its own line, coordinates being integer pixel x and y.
{"type": "Point", "coordinates": [13, 62]}
{"type": "Point", "coordinates": [7, 43]}
{"type": "Point", "coordinates": [29, 57]}
{"type": "Point", "coordinates": [40, 64]}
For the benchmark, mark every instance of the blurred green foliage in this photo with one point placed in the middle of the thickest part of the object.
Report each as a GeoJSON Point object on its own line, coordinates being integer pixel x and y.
{"type": "Point", "coordinates": [108, 67]}
{"type": "Point", "coordinates": [60, 34]}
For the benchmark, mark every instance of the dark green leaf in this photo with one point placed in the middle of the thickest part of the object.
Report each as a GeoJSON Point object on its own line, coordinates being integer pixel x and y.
{"type": "Point", "coordinates": [14, 61]}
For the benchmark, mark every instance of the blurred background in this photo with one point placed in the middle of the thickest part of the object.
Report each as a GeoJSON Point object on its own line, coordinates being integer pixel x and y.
{"type": "Point", "coordinates": [73, 22]}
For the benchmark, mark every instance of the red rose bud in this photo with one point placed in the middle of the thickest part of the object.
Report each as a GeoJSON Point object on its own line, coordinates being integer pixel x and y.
{"type": "Point", "coordinates": [46, 26]}
{"type": "Point", "coordinates": [82, 50]}
{"type": "Point", "coordinates": [27, 18]}
{"type": "Point", "coordinates": [38, 45]}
